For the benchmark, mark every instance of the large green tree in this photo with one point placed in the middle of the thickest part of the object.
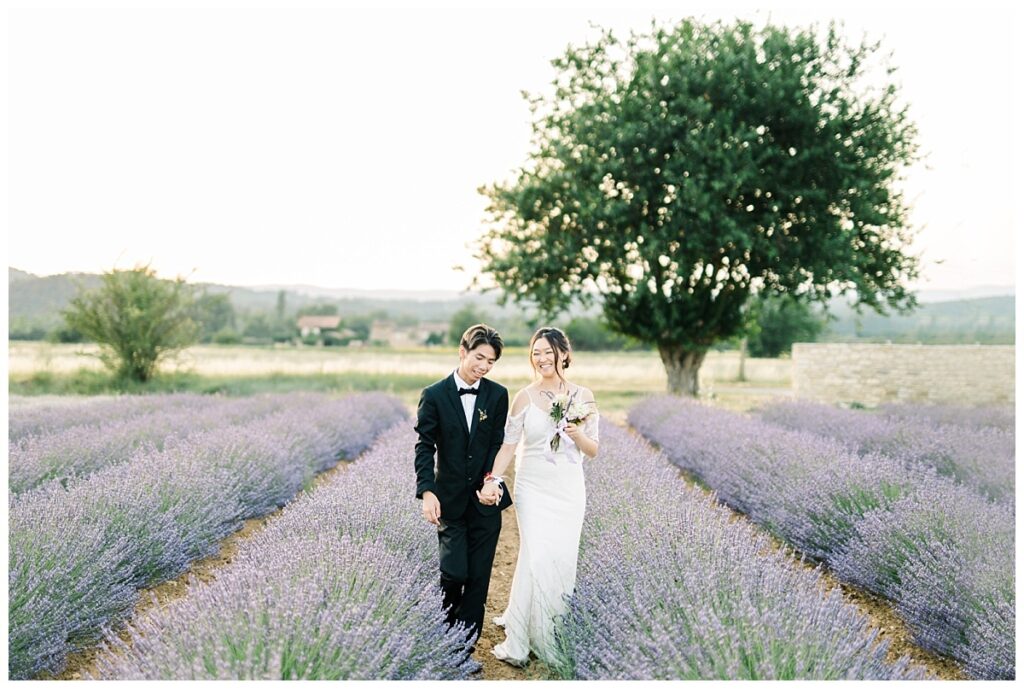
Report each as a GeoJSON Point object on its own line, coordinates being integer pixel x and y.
{"type": "Point", "coordinates": [674, 174]}
{"type": "Point", "coordinates": [137, 319]}
{"type": "Point", "coordinates": [778, 322]}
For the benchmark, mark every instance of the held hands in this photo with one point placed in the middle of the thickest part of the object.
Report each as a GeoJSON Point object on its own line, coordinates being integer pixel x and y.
{"type": "Point", "coordinates": [490, 494]}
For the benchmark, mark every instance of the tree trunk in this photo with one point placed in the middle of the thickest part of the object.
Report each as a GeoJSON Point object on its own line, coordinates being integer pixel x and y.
{"type": "Point", "coordinates": [743, 360]}
{"type": "Point", "coordinates": [682, 366]}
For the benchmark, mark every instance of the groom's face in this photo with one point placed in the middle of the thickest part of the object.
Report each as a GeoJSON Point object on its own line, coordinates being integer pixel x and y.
{"type": "Point", "coordinates": [476, 363]}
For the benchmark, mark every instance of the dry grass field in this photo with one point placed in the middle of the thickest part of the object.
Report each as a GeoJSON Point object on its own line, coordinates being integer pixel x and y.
{"type": "Point", "coordinates": [618, 378]}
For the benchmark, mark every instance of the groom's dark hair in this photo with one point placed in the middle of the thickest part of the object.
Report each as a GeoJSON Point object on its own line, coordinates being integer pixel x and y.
{"type": "Point", "coordinates": [481, 334]}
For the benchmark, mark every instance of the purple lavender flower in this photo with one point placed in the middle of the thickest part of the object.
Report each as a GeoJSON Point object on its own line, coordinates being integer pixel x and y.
{"type": "Point", "coordinates": [946, 559]}
{"type": "Point", "coordinates": [78, 450]}
{"type": "Point", "coordinates": [79, 553]}
{"type": "Point", "coordinates": [969, 453]}
{"type": "Point", "coordinates": [31, 415]}
{"type": "Point", "coordinates": [343, 585]}
{"type": "Point", "coordinates": [670, 587]}
{"type": "Point", "coordinates": [888, 521]}
{"type": "Point", "coordinates": [1002, 418]}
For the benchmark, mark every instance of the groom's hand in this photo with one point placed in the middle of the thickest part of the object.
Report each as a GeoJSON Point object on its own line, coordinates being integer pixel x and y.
{"type": "Point", "coordinates": [490, 494]}
{"type": "Point", "coordinates": [431, 508]}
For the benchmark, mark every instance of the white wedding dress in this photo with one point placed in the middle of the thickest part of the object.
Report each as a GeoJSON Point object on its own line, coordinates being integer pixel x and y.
{"type": "Point", "coordinates": [550, 498]}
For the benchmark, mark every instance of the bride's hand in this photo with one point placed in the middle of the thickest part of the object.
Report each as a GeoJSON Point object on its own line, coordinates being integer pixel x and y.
{"type": "Point", "coordinates": [490, 495]}
{"type": "Point", "coordinates": [574, 431]}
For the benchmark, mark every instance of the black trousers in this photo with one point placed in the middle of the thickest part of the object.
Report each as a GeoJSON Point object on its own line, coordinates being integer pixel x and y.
{"type": "Point", "coordinates": [467, 544]}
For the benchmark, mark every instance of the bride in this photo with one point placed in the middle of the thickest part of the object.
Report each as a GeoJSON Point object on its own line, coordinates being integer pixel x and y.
{"type": "Point", "coordinates": [550, 496]}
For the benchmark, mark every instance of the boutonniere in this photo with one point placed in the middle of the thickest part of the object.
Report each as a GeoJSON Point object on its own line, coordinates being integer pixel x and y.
{"type": "Point", "coordinates": [483, 415]}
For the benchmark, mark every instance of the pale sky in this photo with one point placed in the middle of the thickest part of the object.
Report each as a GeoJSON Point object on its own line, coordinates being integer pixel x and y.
{"type": "Point", "coordinates": [343, 147]}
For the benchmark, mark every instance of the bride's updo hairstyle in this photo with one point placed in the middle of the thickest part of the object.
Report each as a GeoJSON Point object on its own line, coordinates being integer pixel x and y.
{"type": "Point", "coordinates": [559, 343]}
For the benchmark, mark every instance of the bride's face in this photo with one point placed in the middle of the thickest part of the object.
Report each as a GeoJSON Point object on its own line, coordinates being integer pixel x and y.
{"type": "Point", "coordinates": [545, 359]}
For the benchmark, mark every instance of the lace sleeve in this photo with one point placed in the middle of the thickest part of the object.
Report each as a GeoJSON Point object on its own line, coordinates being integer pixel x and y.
{"type": "Point", "coordinates": [590, 426]}
{"type": "Point", "coordinates": [514, 427]}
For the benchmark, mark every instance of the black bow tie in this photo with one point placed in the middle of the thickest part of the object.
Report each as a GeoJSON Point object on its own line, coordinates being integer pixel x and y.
{"type": "Point", "coordinates": [468, 391]}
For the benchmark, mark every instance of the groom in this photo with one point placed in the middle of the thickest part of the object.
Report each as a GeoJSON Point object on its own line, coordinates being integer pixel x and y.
{"type": "Point", "coordinates": [461, 420]}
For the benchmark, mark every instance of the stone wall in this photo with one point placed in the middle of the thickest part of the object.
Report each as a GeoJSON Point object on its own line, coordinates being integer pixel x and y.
{"type": "Point", "coordinates": [875, 373]}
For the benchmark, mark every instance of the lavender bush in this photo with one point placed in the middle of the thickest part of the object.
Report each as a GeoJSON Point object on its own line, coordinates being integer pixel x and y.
{"type": "Point", "coordinates": [31, 416]}
{"type": "Point", "coordinates": [805, 488]}
{"type": "Point", "coordinates": [977, 456]}
{"type": "Point", "coordinates": [669, 587]}
{"type": "Point", "coordinates": [948, 565]}
{"type": "Point", "coordinates": [79, 450]}
{"type": "Point", "coordinates": [1002, 418]}
{"type": "Point", "coordinates": [342, 586]}
{"type": "Point", "coordinates": [79, 553]}
{"type": "Point", "coordinates": [941, 551]}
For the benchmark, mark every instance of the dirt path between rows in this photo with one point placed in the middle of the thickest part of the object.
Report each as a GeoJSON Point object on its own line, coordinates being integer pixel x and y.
{"type": "Point", "coordinates": [497, 598]}
{"type": "Point", "coordinates": [82, 665]}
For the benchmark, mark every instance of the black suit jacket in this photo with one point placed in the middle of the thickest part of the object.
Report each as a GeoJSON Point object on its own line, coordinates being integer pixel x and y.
{"type": "Point", "coordinates": [463, 454]}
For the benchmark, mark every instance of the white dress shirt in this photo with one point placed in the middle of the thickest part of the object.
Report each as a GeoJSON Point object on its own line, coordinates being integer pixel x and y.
{"type": "Point", "coordinates": [468, 401]}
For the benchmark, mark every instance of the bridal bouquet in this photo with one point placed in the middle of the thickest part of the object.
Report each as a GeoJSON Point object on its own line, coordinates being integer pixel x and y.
{"type": "Point", "coordinates": [565, 409]}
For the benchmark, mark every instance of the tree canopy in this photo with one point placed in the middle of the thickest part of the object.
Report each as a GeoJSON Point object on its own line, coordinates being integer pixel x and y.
{"type": "Point", "coordinates": [779, 321]}
{"type": "Point", "coordinates": [137, 319]}
{"type": "Point", "coordinates": [675, 173]}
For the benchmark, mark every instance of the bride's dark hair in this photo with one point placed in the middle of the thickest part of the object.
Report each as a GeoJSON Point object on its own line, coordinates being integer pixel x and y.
{"type": "Point", "coordinates": [559, 342]}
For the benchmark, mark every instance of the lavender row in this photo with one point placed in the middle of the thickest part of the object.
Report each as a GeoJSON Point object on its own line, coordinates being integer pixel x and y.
{"type": "Point", "coordinates": [64, 412]}
{"type": "Point", "coordinates": [78, 451]}
{"type": "Point", "coordinates": [343, 585]}
{"type": "Point", "coordinates": [941, 552]}
{"type": "Point", "coordinates": [78, 555]}
{"type": "Point", "coordinates": [669, 587]}
{"type": "Point", "coordinates": [1002, 418]}
{"type": "Point", "coordinates": [980, 457]}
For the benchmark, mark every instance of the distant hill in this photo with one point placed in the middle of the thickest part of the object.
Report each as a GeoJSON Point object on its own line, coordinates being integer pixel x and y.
{"type": "Point", "coordinates": [927, 296]}
{"type": "Point", "coordinates": [343, 293]}
{"type": "Point", "coordinates": [945, 316]}
{"type": "Point", "coordinates": [35, 303]}
{"type": "Point", "coordinates": [985, 320]}
{"type": "Point", "coordinates": [15, 275]}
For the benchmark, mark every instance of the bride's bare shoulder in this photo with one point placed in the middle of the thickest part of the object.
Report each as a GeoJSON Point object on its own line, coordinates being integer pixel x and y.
{"type": "Point", "coordinates": [520, 402]}
{"type": "Point", "coordinates": [586, 394]}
